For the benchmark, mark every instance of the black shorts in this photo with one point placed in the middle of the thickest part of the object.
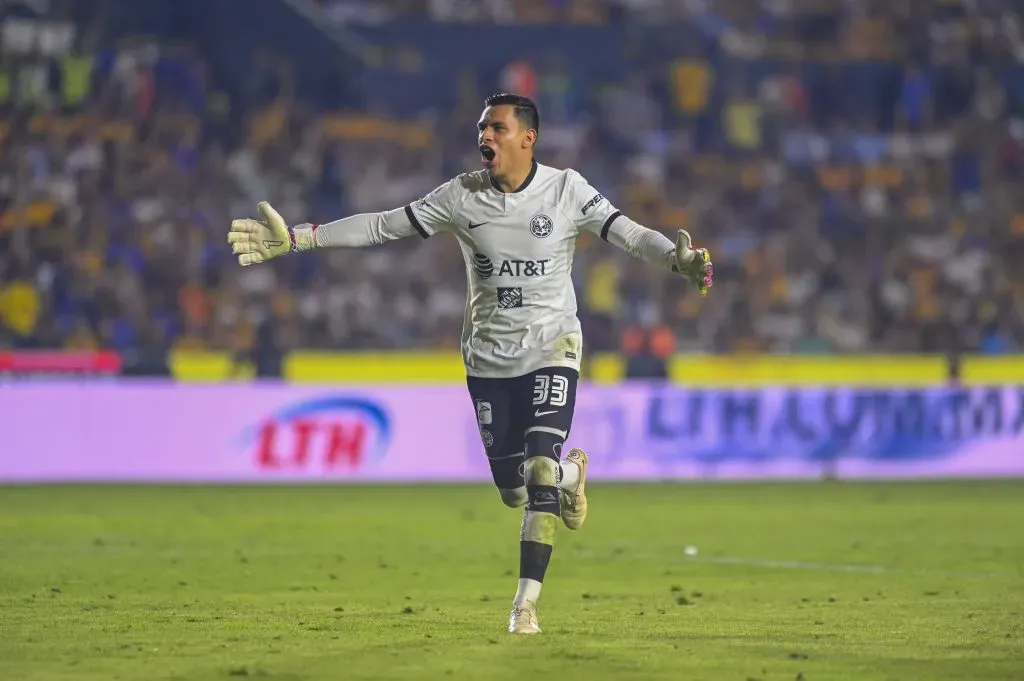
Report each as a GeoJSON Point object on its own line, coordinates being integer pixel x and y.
{"type": "Point", "coordinates": [508, 409]}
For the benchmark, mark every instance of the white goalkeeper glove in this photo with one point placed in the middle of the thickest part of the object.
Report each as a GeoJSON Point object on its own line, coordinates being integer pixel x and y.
{"type": "Point", "coordinates": [693, 263]}
{"type": "Point", "coordinates": [255, 241]}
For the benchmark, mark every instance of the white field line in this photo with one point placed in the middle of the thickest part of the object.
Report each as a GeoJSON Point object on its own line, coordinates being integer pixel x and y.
{"type": "Point", "coordinates": [792, 565]}
{"type": "Point", "coordinates": [841, 567]}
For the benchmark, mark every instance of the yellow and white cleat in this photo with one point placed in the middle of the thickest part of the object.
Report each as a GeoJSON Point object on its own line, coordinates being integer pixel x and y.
{"type": "Point", "coordinates": [523, 620]}
{"type": "Point", "coordinates": [574, 504]}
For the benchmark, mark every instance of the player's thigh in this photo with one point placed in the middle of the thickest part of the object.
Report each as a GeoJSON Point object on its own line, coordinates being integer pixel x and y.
{"type": "Point", "coordinates": [547, 409]}
{"type": "Point", "coordinates": [501, 427]}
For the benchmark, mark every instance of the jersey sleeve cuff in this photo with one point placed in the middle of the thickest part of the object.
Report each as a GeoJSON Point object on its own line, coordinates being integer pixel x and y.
{"type": "Point", "coordinates": [608, 224]}
{"type": "Point", "coordinates": [415, 222]}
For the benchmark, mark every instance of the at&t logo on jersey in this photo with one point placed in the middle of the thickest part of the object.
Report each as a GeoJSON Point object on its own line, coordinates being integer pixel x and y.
{"type": "Point", "coordinates": [484, 267]}
{"type": "Point", "coordinates": [321, 435]}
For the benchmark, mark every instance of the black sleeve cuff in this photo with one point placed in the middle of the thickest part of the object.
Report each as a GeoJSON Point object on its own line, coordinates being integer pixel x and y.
{"type": "Point", "coordinates": [608, 224]}
{"type": "Point", "coordinates": [415, 222]}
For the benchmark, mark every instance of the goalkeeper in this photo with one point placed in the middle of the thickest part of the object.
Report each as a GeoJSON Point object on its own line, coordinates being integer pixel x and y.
{"type": "Point", "coordinates": [516, 222]}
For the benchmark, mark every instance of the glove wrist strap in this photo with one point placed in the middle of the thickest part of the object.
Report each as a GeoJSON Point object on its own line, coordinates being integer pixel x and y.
{"type": "Point", "coordinates": [303, 237]}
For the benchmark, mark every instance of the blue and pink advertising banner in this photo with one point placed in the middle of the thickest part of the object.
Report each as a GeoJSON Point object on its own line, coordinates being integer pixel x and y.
{"type": "Point", "coordinates": [160, 432]}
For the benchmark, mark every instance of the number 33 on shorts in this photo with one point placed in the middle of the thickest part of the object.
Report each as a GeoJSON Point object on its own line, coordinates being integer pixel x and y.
{"type": "Point", "coordinates": [550, 390]}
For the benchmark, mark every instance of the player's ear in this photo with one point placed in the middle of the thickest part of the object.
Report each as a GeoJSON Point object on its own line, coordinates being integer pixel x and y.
{"type": "Point", "coordinates": [530, 138]}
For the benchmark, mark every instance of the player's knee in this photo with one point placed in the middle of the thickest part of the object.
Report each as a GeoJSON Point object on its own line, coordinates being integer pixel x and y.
{"type": "Point", "coordinates": [542, 485]}
{"type": "Point", "coordinates": [541, 471]}
{"type": "Point", "coordinates": [507, 472]}
{"type": "Point", "coordinates": [514, 498]}
{"type": "Point", "coordinates": [543, 449]}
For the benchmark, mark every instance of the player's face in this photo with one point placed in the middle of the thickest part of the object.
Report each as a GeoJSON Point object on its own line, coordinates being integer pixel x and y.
{"type": "Point", "coordinates": [504, 135]}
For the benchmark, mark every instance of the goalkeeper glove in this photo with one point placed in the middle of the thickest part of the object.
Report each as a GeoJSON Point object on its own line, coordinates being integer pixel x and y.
{"type": "Point", "coordinates": [693, 263]}
{"type": "Point", "coordinates": [255, 241]}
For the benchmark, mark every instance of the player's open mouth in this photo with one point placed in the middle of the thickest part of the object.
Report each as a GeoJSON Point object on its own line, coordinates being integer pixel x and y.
{"type": "Point", "coordinates": [486, 155]}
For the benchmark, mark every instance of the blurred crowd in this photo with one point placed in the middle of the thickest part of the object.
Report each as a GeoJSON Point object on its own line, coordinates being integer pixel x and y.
{"type": "Point", "coordinates": [855, 167]}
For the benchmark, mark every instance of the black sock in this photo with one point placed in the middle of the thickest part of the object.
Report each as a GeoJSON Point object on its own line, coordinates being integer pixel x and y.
{"type": "Point", "coordinates": [533, 559]}
{"type": "Point", "coordinates": [538, 533]}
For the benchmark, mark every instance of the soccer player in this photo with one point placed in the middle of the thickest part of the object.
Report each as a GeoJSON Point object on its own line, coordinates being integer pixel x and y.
{"type": "Point", "coordinates": [517, 223]}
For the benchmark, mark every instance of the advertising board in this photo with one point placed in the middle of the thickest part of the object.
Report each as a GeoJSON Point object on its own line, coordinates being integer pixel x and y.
{"type": "Point", "coordinates": [162, 432]}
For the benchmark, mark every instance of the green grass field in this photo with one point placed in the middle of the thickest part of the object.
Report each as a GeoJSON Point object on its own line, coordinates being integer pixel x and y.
{"type": "Point", "coordinates": [816, 582]}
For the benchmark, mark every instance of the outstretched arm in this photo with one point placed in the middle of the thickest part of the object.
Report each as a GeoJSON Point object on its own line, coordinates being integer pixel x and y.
{"type": "Point", "coordinates": [596, 214]}
{"type": "Point", "coordinates": [364, 229]}
{"type": "Point", "coordinates": [255, 241]}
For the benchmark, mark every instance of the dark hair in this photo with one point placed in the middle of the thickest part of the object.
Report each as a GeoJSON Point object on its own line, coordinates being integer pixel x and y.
{"type": "Point", "coordinates": [526, 109]}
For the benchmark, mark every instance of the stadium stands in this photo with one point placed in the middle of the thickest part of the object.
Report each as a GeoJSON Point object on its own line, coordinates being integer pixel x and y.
{"type": "Point", "coordinates": [855, 168]}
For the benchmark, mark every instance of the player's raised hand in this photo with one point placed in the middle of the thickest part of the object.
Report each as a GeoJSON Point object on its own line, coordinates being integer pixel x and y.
{"type": "Point", "coordinates": [694, 263]}
{"type": "Point", "coordinates": [254, 241]}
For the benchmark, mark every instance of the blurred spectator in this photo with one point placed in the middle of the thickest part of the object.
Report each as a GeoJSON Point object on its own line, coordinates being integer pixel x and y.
{"type": "Point", "coordinates": [19, 309]}
{"type": "Point", "coordinates": [855, 168]}
{"type": "Point", "coordinates": [647, 349]}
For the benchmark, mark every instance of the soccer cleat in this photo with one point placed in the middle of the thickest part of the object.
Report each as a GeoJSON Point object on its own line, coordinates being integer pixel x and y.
{"type": "Point", "coordinates": [574, 504]}
{"type": "Point", "coordinates": [523, 620]}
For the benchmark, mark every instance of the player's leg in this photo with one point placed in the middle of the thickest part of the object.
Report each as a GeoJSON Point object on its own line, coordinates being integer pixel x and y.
{"type": "Point", "coordinates": [501, 431]}
{"type": "Point", "coordinates": [553, 405]}
{"type": "Point", "coordinates": [549, 397]}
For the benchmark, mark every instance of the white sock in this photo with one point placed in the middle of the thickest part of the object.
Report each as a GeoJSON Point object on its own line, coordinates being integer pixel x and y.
{"type": "Point", "coordinates": [570, 476]}
{"type": "Point", "coordinates": [528, 591]}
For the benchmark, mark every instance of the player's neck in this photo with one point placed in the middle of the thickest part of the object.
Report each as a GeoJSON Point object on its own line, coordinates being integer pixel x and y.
{"type": "Point", "coordinates": [515, 180]}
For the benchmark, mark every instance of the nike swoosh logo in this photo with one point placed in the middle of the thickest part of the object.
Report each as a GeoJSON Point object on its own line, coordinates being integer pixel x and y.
{"type": "Point", "coordinates": [545, 413]}
{"type": "Point", "coordinates": [474, 226]}
{"type": "Point", "coordinates": [272, 244]}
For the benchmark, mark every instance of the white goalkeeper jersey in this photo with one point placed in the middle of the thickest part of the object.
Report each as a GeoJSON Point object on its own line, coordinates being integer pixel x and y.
{"type": "Point", "coordinates": [518, 248]}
